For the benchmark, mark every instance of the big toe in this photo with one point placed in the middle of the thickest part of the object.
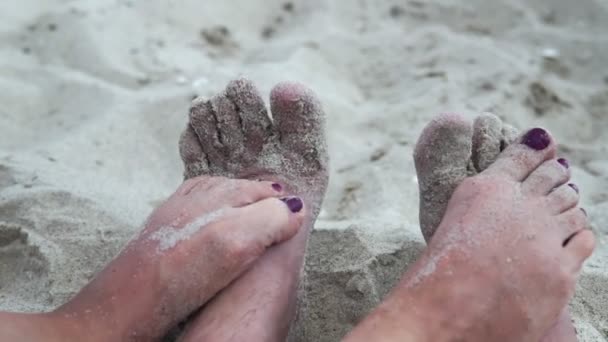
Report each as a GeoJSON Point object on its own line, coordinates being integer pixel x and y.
{"type": "Point", "coordinates": [300, 122]}
{"type": "Point", "coordinates": [441, 157]}
{"type": "Point", "coordinates": [526, 154]}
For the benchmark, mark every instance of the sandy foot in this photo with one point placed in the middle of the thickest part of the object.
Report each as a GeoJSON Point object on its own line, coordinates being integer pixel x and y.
{"type": "Point", "coordinates": [504, 260]}
{"type": "Point", "coordinates": [232, 135]}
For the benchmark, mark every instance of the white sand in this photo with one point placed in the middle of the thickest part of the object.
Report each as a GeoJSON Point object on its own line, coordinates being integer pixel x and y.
{"type": "Point", "coordinates": [94, 95]}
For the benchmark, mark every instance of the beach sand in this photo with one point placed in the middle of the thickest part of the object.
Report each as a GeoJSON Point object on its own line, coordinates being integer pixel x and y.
{"type": "Point", "coordinates": [95, 94]}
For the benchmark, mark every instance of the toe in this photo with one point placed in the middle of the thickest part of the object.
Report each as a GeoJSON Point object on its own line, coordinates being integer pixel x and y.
{"type": "Point", "coordinates": [241, 192]}
{"type": "Point", "coordinates": [191, 152]}
{"type": "Point", "coordinates": [270, 221]}
{"type": "Point", "coordinates": [487, 140]}
{"type": "Point", "coordinates": [227, 118]}
{"type": "Point", "coordinates": [547, 177]}
{"type": "Point", "coordinates": [254, 118]}
{"type": "Point", "coordinates": [441, 157]}
{"type": "Point", "coordinates": [204, 122]}
{"type": "Point", "coordinates": [562, 199]}
{"type": "Point", "coordinates": [522, 157]}
{"type": "Point", "coordinates": [579, 248]}
{"type": "Point", "coordinates": [300, 121]}
{"type": "Point", "coordinates": [571, 222]}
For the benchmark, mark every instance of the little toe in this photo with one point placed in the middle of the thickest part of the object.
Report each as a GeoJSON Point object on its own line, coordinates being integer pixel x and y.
{"type": "Point", "coordinates": [441, 156]}
{"type": "Point", "coordinates": [522, 157]}
{"type": "Point", "coordinates": [571, 222]}
{"type": "Point", "coordinates": [300, 121]}
{"type": "Point", "coordinates": [254, 119]}
{"type": "Point", "coordinates": [547, 177]}
{"type": "Point", "coordinates": [562, 199]}
{"type": "Point", "coordinates": [580, 246]}
{"type": "Point", "coordinates": [192, 154]}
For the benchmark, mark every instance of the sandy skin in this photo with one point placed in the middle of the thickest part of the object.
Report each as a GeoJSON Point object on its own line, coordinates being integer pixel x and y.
{"type": "Point", "coordinates": [244, 142]}
{"type": "Point", "coordinates": [481, 279]}
{"type": "Point", "coordinates": [210, 231]}
{"type": "Point", "coordinates": [449, 150]}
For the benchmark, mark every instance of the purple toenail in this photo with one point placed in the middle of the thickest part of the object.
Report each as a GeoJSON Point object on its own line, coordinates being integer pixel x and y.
{"type": "Point", "coordinates": [277, 187]}
{"type": "Point", "coordinates": [537, 138]}
{"type": "Point", "coordinates": [573, 186]}
{"type": "Point", "coordinates": [294, 204]}
{"type": "Point", "coordinates": [564, 162]}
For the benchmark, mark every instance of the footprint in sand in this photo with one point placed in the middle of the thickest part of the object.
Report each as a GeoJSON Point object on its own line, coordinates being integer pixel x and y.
{"type": "Point", "coordinates": [23, 268]}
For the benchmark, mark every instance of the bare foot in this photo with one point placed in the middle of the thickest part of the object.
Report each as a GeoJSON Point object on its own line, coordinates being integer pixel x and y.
{"type": "Point", "coordinates": [449, 149]}
{"type": "Point", "coordinates": [232, 135]}
{"type": "Point", "coordinates": [503, 261]}
{"type": "Point", "coordinates": [201, 239]}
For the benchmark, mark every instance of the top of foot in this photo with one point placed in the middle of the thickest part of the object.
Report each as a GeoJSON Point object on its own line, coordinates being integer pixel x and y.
{"type": "Point", "coordinates": [512, 241]}
{"type": "Point", "coordinates": [233, 135]}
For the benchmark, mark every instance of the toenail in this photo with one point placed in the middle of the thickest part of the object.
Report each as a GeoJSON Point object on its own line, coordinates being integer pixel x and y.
{"type": "Point", "coordinates": [564, 162]}
{"type": "Point", "coordinates": [294, 204]}
{"type": "Point", "coordinates": [277, 187]}
{"type": "Point", "coordinates": [537, 138]}
{"type": "Point", "coordinates": [573, 186]}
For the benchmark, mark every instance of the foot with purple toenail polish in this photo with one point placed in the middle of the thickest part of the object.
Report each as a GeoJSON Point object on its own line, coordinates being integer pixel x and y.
{"type": "Point", "coordinates": [200, 240]}
{"type": "Point", "coordinates": [502, 262]}
{"type": "Point", "coordinates": [233, 135]}
{"type": "Point", "coordinates": [451, 149]}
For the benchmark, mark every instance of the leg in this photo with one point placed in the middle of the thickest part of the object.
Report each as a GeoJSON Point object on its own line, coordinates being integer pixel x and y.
{"type": "Point", "coordinates": [233, 135]}
{"type": "Point", "coordinates": [503, 261]}
{"type": "Point", "coordinates": [201, 239]}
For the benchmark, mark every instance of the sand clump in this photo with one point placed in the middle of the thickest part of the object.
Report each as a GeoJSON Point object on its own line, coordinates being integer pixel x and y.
{"type": "Point", "coordinates": [95, 95]}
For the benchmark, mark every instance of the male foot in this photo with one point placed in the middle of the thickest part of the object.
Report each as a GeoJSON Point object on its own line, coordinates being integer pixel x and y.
{"type": "Point", "coordinates": [503, 261]}
{"type": "Point", "coordinates": [197, 242]}
{"type": "Point", "coordinates": [449, 150]}
{"type": "Point", "coordinates": [232, 135]}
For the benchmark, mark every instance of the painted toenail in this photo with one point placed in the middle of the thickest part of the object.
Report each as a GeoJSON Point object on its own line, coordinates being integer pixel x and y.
{"type": "Point", "coordinates": [564, 162]}
{"type": "Point", "coordinates": [573, 186]}
{"type": "Point", "coordinates": [537, 138]}
{"type": "Point", "coordinates": [294, 204]}
{"type": "Point", "coordinates": [277, 187]}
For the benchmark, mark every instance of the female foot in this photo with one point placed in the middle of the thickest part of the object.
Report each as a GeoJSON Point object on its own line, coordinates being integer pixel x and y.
{"type": "Point", "coordinates": [451, 149]}
{"type": "Point", "coordinates": [503, 261]}
{"type": "Point", "coordinates": [232, 135]}
{"type": "Point", "coordinates": [201, 239]}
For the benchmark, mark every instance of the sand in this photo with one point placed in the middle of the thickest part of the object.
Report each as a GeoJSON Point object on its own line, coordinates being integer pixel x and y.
{"type": "Point", "coordinates": [95, 94]}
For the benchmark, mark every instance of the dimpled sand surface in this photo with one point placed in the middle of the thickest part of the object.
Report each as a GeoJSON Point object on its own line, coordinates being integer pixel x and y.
{"type": "Point", "coordinates": [95, 94]}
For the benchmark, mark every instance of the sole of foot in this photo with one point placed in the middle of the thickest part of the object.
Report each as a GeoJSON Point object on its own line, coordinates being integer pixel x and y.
{"type": "Point", "coordinates": [233, 135]}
